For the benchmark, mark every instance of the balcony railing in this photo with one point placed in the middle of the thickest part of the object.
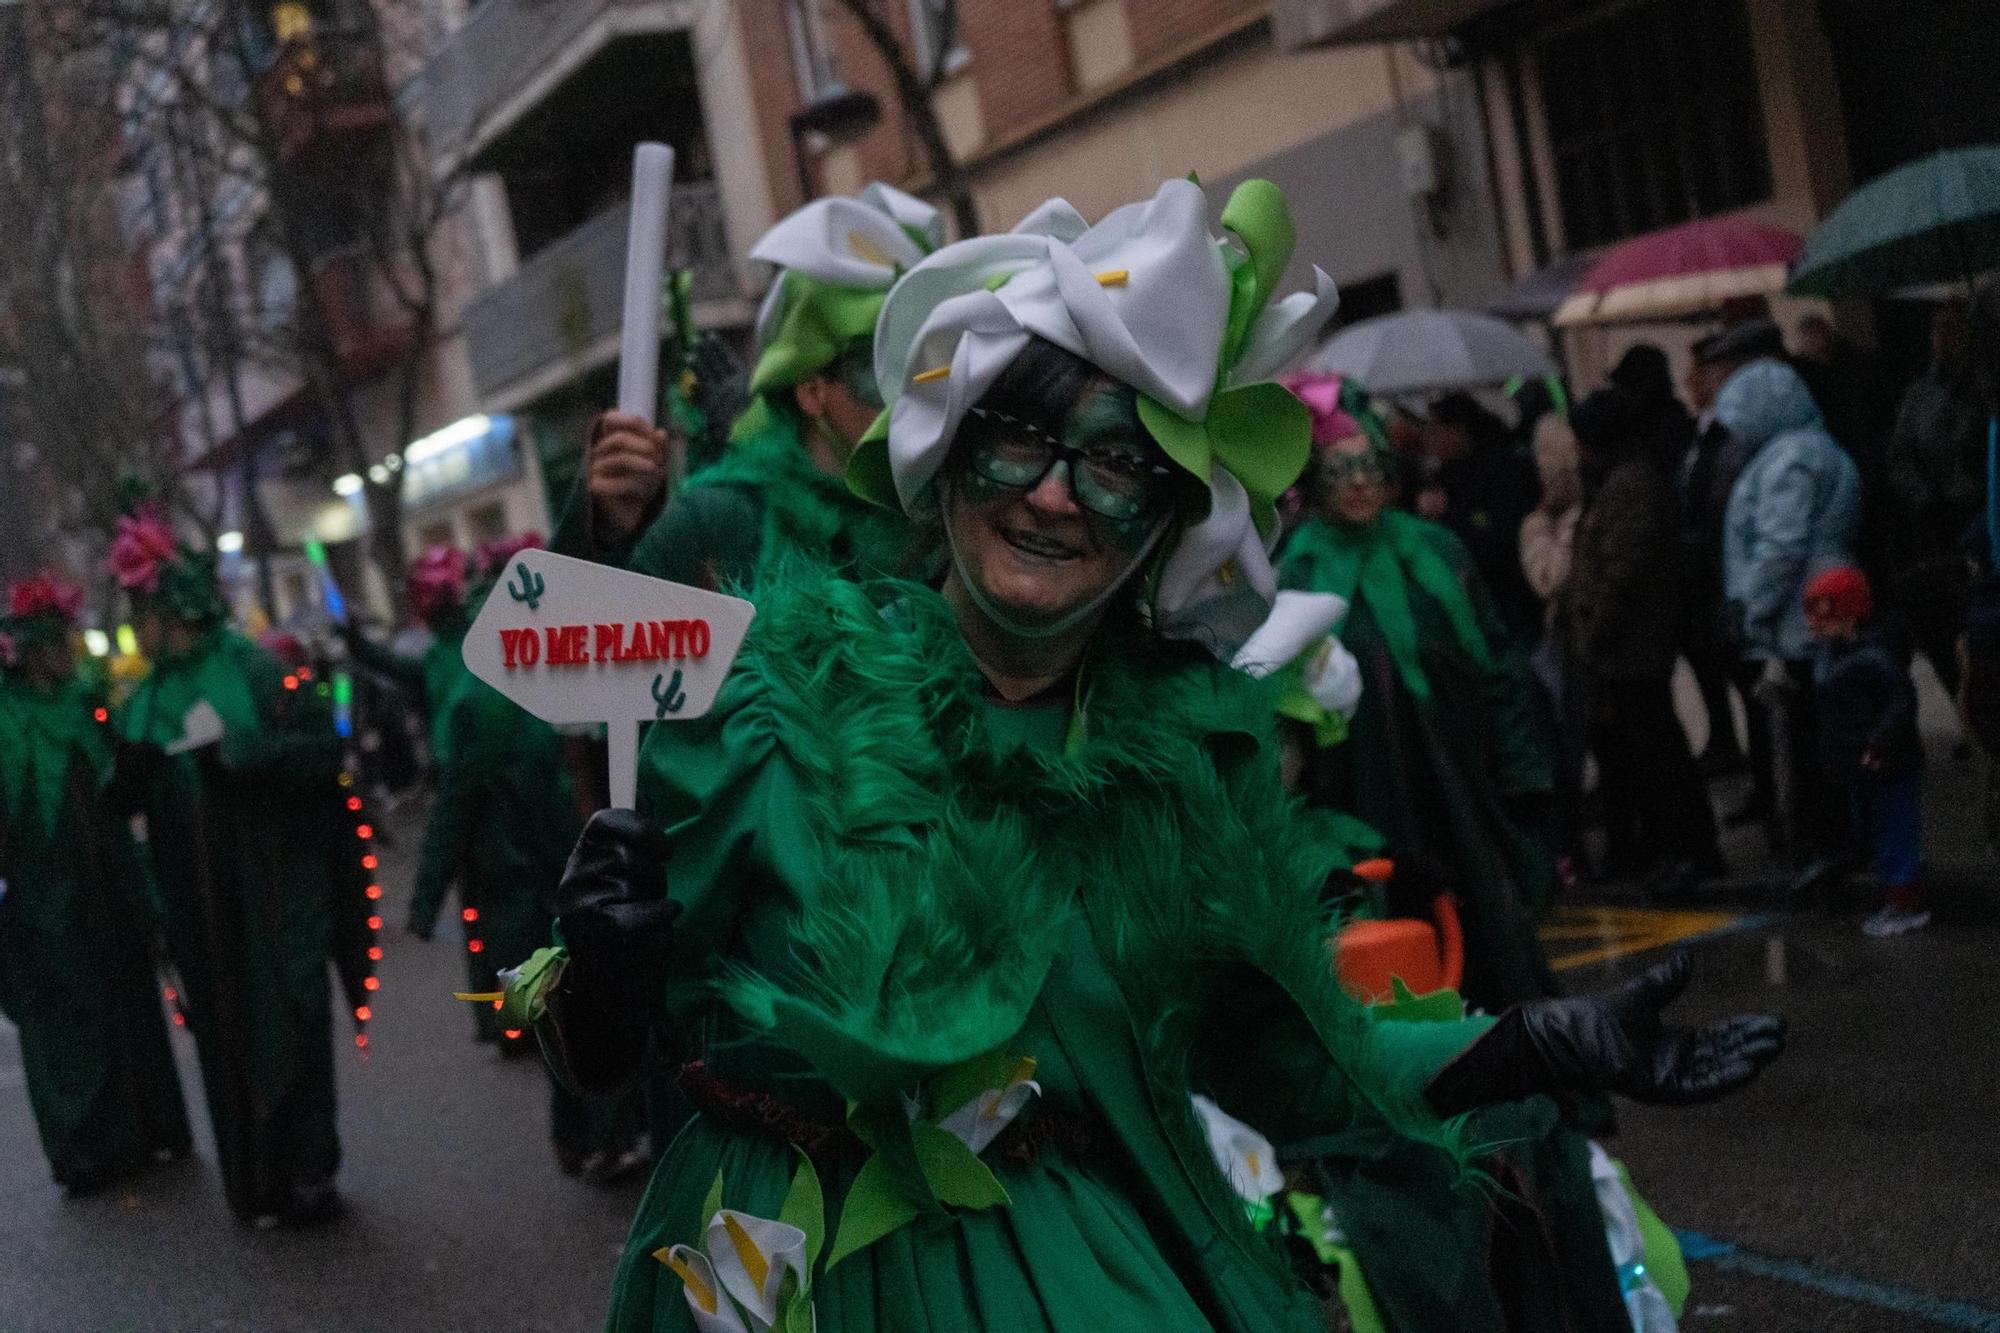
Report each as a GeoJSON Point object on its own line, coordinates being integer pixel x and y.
{"type": "Point", "coordinates": [501, 49]}
{"type": "Point", "coordinates": [570, 296]}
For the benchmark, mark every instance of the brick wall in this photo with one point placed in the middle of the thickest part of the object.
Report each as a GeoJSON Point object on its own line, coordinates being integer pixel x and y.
{"type": "Point", "coordinates": [1159, 26]}
{"type": "Point", "coordinates": [1020, 56]}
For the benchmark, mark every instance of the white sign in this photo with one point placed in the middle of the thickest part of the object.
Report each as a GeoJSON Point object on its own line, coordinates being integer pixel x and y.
{"type": "Point", "coordinates": [572, 641]}
{"type": "Point", "coordinates": [200, 725]}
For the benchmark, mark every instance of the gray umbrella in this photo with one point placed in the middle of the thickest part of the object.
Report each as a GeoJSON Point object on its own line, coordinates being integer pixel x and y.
{"type": "Point", "coordinates": [1431, 351]}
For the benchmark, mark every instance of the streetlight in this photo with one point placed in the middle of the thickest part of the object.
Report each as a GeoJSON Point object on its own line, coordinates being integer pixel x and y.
{"type": "Point", "coordinates": [840, 113]}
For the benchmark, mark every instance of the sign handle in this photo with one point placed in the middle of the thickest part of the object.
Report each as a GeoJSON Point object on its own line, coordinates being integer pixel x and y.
{"type": "Point", "coordinates": [621, 740]}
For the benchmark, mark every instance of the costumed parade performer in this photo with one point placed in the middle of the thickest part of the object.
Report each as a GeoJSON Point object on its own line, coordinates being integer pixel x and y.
{"type": "Point", "coordinates": [972, 886]}
{"type": "Point", "coordinates": [436, 589]}
{"type": "Point", "coordinates": [778, 486]}
{"type": "Point", "coordinates": [503, 824]}
{"type": "Point", "coordinates": [76, 920]}
{"type": "Point", "coordinates": [1443, 755]}
{"type": "Point", "coordinates": [237, 775]}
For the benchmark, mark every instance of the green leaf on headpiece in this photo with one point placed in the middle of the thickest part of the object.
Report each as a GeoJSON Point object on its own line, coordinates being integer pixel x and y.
{"type": "Point", "coordinates": [1186, 442]}
{"type": "Point", "coordinates": [817, 324]}
{"type": "Point", "coordinates": [1262, 434]}
{"type": "Point", "coordinates": [1261, 219]}
{"type": "Point", "coordinates": [868, 473]}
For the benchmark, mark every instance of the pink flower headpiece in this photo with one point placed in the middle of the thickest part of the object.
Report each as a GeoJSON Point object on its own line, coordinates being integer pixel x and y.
{"type": "Point", "coordinates": [436, 581]}
{"type": "Point", "coordinates": [492, 557]}
{"type": "Point", "coordinates": [143, 546]}
{"type": "Point", "coordinates": [45, 594]}
{"type": "Point", "coordinates": [1320, 393]}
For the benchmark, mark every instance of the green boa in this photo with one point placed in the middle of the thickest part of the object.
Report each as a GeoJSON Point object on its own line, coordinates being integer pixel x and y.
{"type": "Point", "coordinates": [1377, 565]}
{"type": "Point", "coordinates": [949, 866]}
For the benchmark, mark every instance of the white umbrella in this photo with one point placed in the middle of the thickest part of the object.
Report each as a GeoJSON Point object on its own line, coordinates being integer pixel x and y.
{"type": "Point", "coordinates": [1431, 351]}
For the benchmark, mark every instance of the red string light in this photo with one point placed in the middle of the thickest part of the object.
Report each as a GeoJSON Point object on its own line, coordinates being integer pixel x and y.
{"type": "Point", "coordinates": [101, 714]}
{"type": "Point", "coordinates": [374, 923]}
{"type": "Point", "coordinates": [305, 673]}
{"type": "Point", "coordinates": [370, 861]}
{"type": "Point", "coordinates": [364, 831]}
{"type": "Point", "coordinates": [361, 1041]}
{"type": "Point", "coordinates": [498, 1005]}
{"type": "Point", "coordinates": [362, 1013]}
{"type": "Point", "coordinates": [511, 1034]}
{"type": "Point", "coordinates": [373, 891]}
{"type": "Point", "coordinates": [475, 946]}
{"type": "Point", "coordinates": [469, 915]}
{"type": "Point", "coordinates": [371, 983]}
{"type": "Point", "coordinates": [172, 995]}
{"type": "Point", "coordinates": [374, 953]}
{"type": "Point", "coordinates": [291, 682]}
{"type": "Point", "coordinates": [180, 1020]}
{"type": "Point", "coordinates": [354, 803]}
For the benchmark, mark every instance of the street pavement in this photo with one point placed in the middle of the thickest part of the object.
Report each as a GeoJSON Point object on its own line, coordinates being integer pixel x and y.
{"type": "Point", "coordinates": [1855, 1187]}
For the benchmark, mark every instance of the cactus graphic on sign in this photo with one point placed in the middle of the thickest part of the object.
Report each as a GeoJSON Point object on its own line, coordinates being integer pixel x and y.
{"type": "Point", "coordinates": [575, 642]}
{"type": "Point", "coordinates": [531, 589]}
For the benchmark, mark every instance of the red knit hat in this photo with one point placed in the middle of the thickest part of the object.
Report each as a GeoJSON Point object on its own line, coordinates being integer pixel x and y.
{"type": "Point", "coordinates": [1841, 591]}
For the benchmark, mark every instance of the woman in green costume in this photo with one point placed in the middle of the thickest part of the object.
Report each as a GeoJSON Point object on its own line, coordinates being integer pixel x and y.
{"type": "Point", "coordinates": [505, 818]}
{"type": "Point", "coordinates": [1443, 755]}
{"type": "Point", "coordinates": [778, 487]}
{"type": "Point", "coordinates": [76, 926]}
{"type": "Point", "coordinates": [971, 887]}
{"type": "Point", "coordinates": [236, 774]}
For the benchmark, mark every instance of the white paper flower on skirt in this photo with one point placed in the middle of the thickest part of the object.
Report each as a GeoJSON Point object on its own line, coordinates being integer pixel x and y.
{"type": "Point", "coordinates": [737, 1281]}
{"type": "Point", "coordinates": [1300, 629]}
{"type": "Point", "coordinates": [1245, 1156]}
{"type": "Point", "coordinates": [978, 1121]}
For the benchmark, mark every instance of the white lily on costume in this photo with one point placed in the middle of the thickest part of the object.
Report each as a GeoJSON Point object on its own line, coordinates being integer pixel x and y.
{"type": "Point", "coordinates": [979, 1120]}
{"type": "Point", "coordinates": [1300, 629]}
{"type": "Point", "coordinates": [1244, 1156]}
{"type": "Point", "coordinates": [864, 243]}
{"type": "Point", "coordinates": [736, 1282]}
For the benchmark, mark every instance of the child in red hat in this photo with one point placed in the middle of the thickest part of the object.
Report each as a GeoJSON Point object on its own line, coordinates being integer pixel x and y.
{"type": "Point", "coordinates": [1868, 740]}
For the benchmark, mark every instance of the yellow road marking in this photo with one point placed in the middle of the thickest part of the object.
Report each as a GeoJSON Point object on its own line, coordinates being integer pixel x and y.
{"type": "Point", "coordinates": [1620, 931]}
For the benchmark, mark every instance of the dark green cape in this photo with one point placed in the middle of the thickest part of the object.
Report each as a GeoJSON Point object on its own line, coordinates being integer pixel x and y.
{"type": "Point", "coordinates": [254, 855]}
{"type": "Point", "coordinates": [76, 931]}
{"type": "Point", "coordinates": [1445, 739]}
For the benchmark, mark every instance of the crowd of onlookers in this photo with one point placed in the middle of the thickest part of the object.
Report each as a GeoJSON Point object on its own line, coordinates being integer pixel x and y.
{"type": "Point", "coordinates": [1788, 524]}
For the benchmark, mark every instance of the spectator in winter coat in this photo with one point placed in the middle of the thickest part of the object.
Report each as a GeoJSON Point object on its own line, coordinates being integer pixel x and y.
{"type": "Point", "coordinates": [1795, 509]}
{"type": "Point", "coordinates": [1664, 425]}
{"type": "Point", "coordinates": [1484, 485]}
{"type": "Point", "coordinates": [1622, 611]}
{"type": "Point", "coordinates": [1868, 741]}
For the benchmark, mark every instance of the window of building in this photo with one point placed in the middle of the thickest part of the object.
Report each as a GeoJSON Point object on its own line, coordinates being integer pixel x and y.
{"type": "Point", "coordinates": [812, 53]}
{"type": "Point", "coordinates": [936, 37]}
{"type": "Point", "coordinates": [1653, 118]}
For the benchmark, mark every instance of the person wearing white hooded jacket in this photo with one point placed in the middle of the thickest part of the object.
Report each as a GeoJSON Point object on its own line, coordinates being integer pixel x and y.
{"type": "Point", "coordinates": [1795, 509]}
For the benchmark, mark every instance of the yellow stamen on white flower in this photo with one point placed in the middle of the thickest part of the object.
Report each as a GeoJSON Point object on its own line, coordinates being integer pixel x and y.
{"type": "Point", "coordinates": [479, 997]}
{"type": "Point", "coordinates": [753, 1260]}
{"type": "Point", "coordinates": [866, 248]}
{"type": "Point", "coordinates": [1116, 277]}
{"type": "Point", "coordinates": [934, 373]}
{"type": "Point", "coordinates": [704, 1294]}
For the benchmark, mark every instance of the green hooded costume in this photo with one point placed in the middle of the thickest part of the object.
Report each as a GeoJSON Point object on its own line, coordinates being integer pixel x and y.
{"type": "Point", "coordinates": [254, 856]}
{"type": "Point", "coordinates": [1443, 750]}
{"type": "Point", "coordinates": [76, 927]}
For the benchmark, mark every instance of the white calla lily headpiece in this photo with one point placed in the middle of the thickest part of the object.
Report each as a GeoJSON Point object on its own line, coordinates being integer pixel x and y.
{"type": "Point", "coordinates": [1152, 298]}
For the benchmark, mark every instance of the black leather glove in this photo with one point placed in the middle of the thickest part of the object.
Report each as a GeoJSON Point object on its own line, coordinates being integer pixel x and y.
{"type": "Point", "coordinates": [617, 925]}
{"type": "Point", "coordinates": [1612, 1042]}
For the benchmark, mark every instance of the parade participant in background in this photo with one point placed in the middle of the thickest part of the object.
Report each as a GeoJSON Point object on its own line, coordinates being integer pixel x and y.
{"type": "Point", "coordinates": [1868, 740]}
{"type": "Point", "coordinates": [505, 819]}
{"type": "Point", "coordinates": [235, 772]}
{"type": "Point", "coordinates": [1484, 485]}
{"type": "Point", "coordinates": [76, 920]}
{"type": "Point", "coordinates": [778, 486]}
{"type": "Point", "coordinates": [435, 589]}
{"type": "Point", "coordinates": [971, 888]}
{"type": "Point", "coordinates": [1444, 755]}
{"type": "Point", "coordinates": [1622, 615]}
{"type": "Point", "coordinates": [1795, 509]}
{"type": "Point", "coordinates": [1548, 545]}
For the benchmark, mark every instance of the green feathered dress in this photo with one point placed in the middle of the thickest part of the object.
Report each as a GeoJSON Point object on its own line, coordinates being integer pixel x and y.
{"type": "Point", "coordinates": [505, 819]}
{"type": "Point", "coordinates": [764, 500]}
{"type": "Point", "coordinates": [76, 929]}
{"type": "Point", "coordinates": [885, 873]}
{"type": "Point", "coordinates": [1444, 748]}
{"type": "Point", "coordinates": [253, 854]}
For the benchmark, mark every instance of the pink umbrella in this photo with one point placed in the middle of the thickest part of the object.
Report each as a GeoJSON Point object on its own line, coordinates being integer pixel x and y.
{"type": "Point", "coordinates": [1687, 270]}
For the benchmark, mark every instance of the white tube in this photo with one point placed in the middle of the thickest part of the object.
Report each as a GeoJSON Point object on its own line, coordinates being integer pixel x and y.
{"type": "Point", "coordinates": [645, 255]}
